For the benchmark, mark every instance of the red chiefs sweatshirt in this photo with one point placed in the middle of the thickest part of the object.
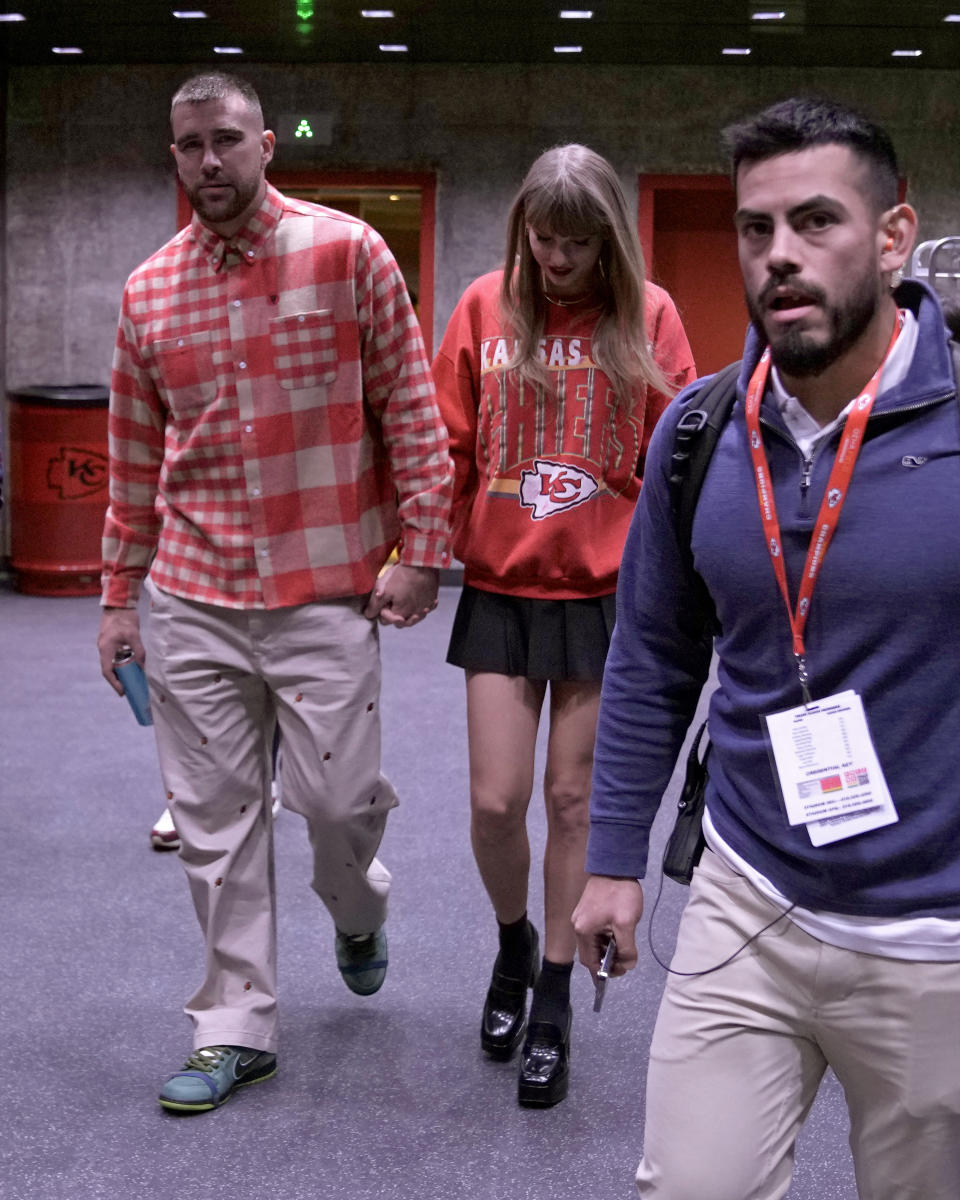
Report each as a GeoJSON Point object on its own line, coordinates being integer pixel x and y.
{"type": "Point", "coordinates": [546, 478]}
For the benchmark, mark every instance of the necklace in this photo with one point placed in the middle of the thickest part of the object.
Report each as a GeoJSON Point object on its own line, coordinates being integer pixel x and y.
{"type": "Point", "coordinates": [565, 303]}
{"type": "Point", "coordinates": [557, 301]}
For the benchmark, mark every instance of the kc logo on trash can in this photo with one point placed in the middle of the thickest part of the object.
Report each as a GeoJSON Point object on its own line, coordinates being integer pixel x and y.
{"type": "Point", "coordinates": [77, 473]}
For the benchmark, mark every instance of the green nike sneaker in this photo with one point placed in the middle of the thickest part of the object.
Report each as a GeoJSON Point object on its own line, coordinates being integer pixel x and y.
{"type": "Point", "coordinates": [362, 960]}
{"type": "Point", "coordinates": [211, 1074]}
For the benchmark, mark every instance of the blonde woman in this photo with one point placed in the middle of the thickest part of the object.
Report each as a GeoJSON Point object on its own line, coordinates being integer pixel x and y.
{"type": "Point", "coordinates": [551, 376]}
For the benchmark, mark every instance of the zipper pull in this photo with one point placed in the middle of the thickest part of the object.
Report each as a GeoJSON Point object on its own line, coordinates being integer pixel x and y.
{"type": "Point", "coordinates": [805, 477]}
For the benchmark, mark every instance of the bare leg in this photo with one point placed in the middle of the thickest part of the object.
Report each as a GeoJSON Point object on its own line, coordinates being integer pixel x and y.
{"type": "Point", "coordinates": [573, 727]}
{"type": "Point", "coordinates": [503, 712]}
{"type": "Point", "coordinates": [545, 1059]}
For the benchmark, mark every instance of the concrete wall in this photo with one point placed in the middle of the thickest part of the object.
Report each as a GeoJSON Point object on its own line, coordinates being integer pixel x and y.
{"type": "Point", "coordinates": [90, 188]}
{"type": "Point", "coordinates": [90, 182]}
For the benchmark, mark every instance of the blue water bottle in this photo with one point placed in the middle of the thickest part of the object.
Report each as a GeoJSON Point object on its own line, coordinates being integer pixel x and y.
{"type": "Point", "coordinates": [135, 688]}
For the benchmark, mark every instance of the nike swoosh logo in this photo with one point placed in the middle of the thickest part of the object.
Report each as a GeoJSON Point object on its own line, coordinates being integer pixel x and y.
{"type": "Point", "coordinates": [241, 1063]}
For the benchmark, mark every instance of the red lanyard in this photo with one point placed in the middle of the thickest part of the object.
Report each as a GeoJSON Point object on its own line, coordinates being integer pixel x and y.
{"type": "Point", "coordinates": [830, 507]}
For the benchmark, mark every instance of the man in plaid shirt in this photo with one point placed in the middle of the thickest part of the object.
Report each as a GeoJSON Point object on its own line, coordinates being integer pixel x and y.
{"type": "Point", "coordinates": [273, 437]}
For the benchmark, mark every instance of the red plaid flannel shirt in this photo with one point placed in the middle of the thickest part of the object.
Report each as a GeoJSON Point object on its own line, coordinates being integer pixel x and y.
{"type": "Point", "coordinates": [273, 428]}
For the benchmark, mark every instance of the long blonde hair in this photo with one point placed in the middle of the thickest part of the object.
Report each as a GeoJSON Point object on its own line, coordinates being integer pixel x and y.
{"type": "Point", "coordinates": [571, 191]}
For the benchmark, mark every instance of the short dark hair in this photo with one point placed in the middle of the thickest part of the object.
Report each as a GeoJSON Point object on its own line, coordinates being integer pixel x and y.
{"type": "Point", "coordinates": [801, 122]}
{"type": "Point", "coordinates": [215, 85]}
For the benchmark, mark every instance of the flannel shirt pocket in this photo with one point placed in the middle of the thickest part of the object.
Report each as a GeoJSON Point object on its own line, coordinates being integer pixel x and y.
{"type": "Point", "coordinates": [187, 374]}
{"type": "Point", "coordinates": [305, 349]}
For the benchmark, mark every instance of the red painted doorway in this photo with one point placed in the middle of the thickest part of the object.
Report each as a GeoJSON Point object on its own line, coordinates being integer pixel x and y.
{"type": "Point", "coordinates": [686, 229]}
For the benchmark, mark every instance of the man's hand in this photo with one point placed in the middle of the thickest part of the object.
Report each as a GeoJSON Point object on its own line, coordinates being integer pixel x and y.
{"type": "Point", "coordinates": [403, 595]}
{"type": "Point", "coordinates": [118, 627]}
{"type": "Point", "coordinates": [608, 906]}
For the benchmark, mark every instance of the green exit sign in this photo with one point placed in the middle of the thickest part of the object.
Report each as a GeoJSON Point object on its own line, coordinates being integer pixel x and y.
{"type": "Point", "coordinates": [305, 129]}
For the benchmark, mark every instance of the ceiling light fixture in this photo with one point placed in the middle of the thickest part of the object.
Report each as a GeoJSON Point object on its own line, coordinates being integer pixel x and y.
{"type": "Point", "coordinates": [568, 49]}
{"type": "Point", "coordinates": [228, 49]}
{"type": "Point", "coordinates": [952, 17]}
{"type": "Point", "coordinates": [906, 53]}
{"type": "Point", "coordinates": [12, 17]}
{"type": "Point", "coordinates": [576, 14]}
{"type": "Point", "coordinates": [189, 14]}
{"type": "Point", "coordinates": [393, 47]}
{"type": "Point", "coordinates": [734, 50]}
{"type": "Point", "coordinates": [376, 14]}
{"type": "Point", "coordinates": [66, 49]}
{"type": "Point", "coordinates": [769, 16]}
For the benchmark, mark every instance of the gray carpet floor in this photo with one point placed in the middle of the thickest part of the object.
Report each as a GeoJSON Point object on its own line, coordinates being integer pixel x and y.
{"type": "Point", "coordinates": [382, 1097]}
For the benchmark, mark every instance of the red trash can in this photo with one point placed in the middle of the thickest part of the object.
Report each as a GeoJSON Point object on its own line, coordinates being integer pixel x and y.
{"type": "Point", "coordinates": [58, 479]}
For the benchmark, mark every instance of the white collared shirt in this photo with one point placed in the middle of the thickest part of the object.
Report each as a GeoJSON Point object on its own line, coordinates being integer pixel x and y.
{"type": "Point", "coordinates": [805, 431]}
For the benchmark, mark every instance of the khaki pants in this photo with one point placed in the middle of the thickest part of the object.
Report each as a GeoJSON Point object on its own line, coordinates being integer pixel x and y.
{"type": "Point", "coordinates": [219, 679]}
{"type": "Point", "coordinates": [738, 1055]}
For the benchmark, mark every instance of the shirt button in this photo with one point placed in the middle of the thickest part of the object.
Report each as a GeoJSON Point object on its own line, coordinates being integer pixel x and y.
{"type": "Point", "coordinates": [264, 553]}
{"type": "Point", "coordinates": [248, 429]}
{"type": "Point", "coordinates": [236, 304]}
{"type": "Point", "coordinates": [249, 254]}
{"type": "Point", "coordinates": [179, 341]}
{"type": "Point", "coordinates": [255, 492]}
{"type": "Point", "coordinates": [242, 365]}
{"type": "Point", "coordinates": [301, 319]}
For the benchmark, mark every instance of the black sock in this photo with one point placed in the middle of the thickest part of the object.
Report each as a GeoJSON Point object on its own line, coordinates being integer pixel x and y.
{"type": "Point", "coordinates": [516, 940]}
{"type": "Point", "coordinates": [551, 995]}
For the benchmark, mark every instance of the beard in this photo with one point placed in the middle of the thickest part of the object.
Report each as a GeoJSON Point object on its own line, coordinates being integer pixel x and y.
{"type": "Point", "coordinates": [217, 212]}
{"type": "Point", "coordinates": [795, 352]}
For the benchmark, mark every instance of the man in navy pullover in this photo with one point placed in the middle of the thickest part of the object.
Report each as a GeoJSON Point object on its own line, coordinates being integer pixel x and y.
{"type": "Point", "coordinates": [828, 537]}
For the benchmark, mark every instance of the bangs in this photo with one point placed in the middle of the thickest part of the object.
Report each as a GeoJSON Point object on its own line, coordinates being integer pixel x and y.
{"type": "Point", "coordinates": [564, 211]}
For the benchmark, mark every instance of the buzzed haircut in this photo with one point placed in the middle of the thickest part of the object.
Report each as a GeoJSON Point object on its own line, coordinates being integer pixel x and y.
{"type": "Point", "coordinates": [215, 85]}
{"type": "Point", "coordinates": [802, 122]}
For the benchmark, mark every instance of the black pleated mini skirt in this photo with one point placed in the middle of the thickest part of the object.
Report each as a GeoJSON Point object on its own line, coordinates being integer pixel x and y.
{"type": "Point", "coordinates": [538, 639]}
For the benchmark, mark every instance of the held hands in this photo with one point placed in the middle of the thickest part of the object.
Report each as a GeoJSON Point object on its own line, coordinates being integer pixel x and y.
{"type": "Point", "coordinates": [118, 627]}
{"type": "Point", "coordinates": [403, 595]}
{"type": "Point", "coordinates": [608, 906]}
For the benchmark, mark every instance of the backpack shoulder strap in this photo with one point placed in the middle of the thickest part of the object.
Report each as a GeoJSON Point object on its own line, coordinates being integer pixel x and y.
{"type": "Point", "coordinates": [696, 436]}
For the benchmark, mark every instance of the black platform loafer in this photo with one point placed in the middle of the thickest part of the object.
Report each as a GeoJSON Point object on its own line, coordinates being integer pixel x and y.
{"type": "Point", "coordinates": [545, 1064]}
{"type": "Point", "coordinates": [505, 1008]}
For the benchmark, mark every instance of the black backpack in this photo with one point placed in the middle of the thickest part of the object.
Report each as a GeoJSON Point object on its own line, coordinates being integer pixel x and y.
{"type": "Point", "coordinates": [696, 436]}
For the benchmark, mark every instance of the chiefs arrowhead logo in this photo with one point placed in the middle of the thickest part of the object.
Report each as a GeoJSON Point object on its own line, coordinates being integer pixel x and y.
{"type": "Point", "coordinates": [77, 473]}
{"type": "Point", "coordinates": [551, 488]}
